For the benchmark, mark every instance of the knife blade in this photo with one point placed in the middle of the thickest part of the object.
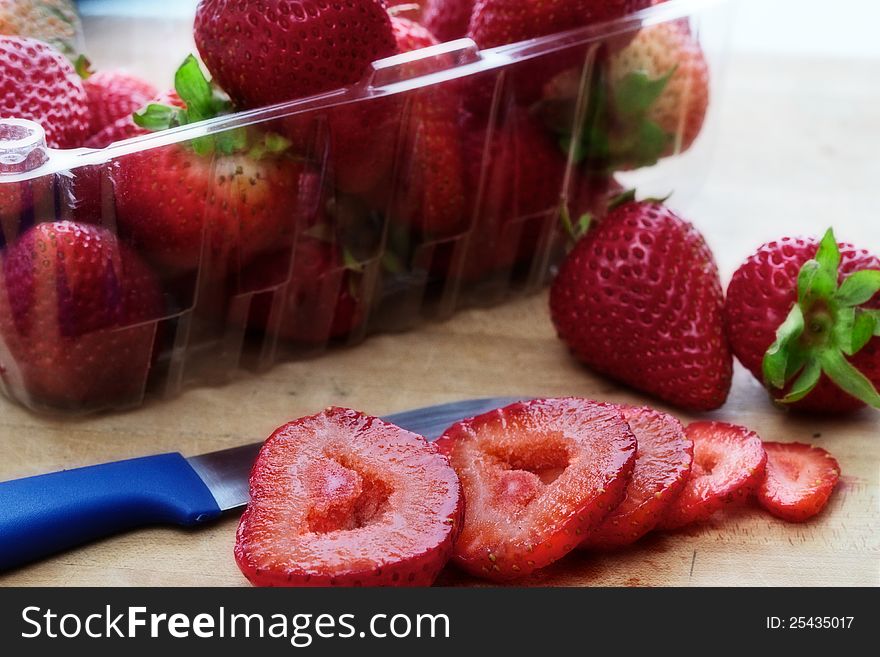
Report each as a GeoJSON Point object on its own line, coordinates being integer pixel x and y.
{"type": "Point", "coordinates": [48, 513]}
{"type": "Point", "coordinates": [226, 472]}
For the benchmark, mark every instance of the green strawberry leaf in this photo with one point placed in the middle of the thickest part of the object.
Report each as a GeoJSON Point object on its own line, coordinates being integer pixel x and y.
{"type": "Point", "coordinates": [232, 141]}
{"type": "Point", "coordinates": [875, 314]}
{"type": "Point", "coordinates": [843, 330]}
{"type": "Point", "coordinates": [815, 282]}
{"type": "Point", "coordinates": [828, 254]}
{"type": "Point", "coordinates": [636, 92]}
{"type": "Point", "coordinates": [83, 67]}
{"type": "Point", "coordinates": [848, 378]}
{"type": "Point", "coordinates": [805, 383]}
{"type": "Point", "coordinates": [864, 328]}
{"type": "Point", "coordinates": [777, 361]}
{"type": "Point", "coordinates": [858, 288]}
{"type": "Point", "coordinates": [155, 117]}
{"type": "Point", "coordinates": [194, 89]}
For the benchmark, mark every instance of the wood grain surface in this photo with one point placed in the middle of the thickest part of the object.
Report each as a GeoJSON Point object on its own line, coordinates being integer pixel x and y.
{"type": "Point", "coordinates": [798, 151]}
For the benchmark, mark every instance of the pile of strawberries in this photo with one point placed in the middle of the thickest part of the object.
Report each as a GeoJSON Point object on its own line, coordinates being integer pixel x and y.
{"type": "Point", "coordinates": [344, 499]}
{"type": "Point", "coordinates": [267, 228]}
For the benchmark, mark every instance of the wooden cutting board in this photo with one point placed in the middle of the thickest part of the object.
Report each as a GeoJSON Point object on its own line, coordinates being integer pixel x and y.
{"type": "Point", "coordinates": [793, 156]}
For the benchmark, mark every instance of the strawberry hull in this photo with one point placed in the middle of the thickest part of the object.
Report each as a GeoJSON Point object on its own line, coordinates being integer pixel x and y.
{"type": "Point", "coordinates": [426, 182]}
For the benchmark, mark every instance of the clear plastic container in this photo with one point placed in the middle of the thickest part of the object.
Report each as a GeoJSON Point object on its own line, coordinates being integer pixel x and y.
{"type": "Point", "coordinates": [349, 237]}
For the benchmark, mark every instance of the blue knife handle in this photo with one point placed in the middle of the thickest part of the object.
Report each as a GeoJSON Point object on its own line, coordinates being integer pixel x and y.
{"type": "Point", "coordinates": [49, 513]}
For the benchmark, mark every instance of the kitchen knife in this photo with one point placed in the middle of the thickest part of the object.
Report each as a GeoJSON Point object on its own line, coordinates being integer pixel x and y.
{"type": "Point", "coordinates": [53, 512]}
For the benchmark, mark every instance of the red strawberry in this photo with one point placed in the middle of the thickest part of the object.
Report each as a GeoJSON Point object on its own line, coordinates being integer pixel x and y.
{"type": "Point", "coordinates": [663, 465]}
{"type": "Point", "coordinates": [429, 195]}
{"type": "Point", "coordinates": [660, 83]}
{"type": "Point", "coordinates": [238, 190]}
{"type": "Point", "coordinates": [343, 499]}
{"type": "Point", "coordinates": [76, 308]}
{"type": "Point", "coordinates": [448, 19]}
{"type": "Point", "coordinates": [38, 83]}
{"type": "Point", "coordinates": [113, 95]}
{"type": "Point", "coordinates": [514, 176]}
{"type": "Point", "coordinates": [800, 479]}
{"type": "Point", "coordinates": [317, 291]}
{"type": "Point", "coordinates": [729, 463]}
{"type": "Point", "coordinates": [125, 128]}
{"type": "Point", "coordinates": [639, 299]}
{"type": "Point", "coordinates": [499, 22]}
{"type": "Point", "coordinates": [537, 476]}
{"type": "Point", "coordinates": [278, 51]}
{"type": "Point", "coordinates": [813, 342]}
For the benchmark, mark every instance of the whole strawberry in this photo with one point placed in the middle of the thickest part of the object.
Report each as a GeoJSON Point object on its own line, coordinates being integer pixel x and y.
{"type": "Point", "coordinates": [113, 95]}
{"type": "Point", "coordinates": [77, 318]}
{"type": "Point", "coordinates": [448, 19]}
{"type": "Point", "coordinates": [499, 22]}
{"type": "Point", "coordinates": [803, 316]}
{"type": "Point", "coordinates": [639, 299]}
{"type": "Point", "coordinates": [514, 175]}
{"type": "Point", "coordinates": [55, 22]}
{"type": "Point", "coordinates": [38, 83]}
{"type": "Point", "coordinates": [429, 193]}
{"type": "Point", "coordinates": [237, 190]}
{"type": "Point", "coordinates": [317, 291]}
{"type": "Point", "coordinates": [659, 84]}
{"type": "Point", "coordinates": [277, 51]}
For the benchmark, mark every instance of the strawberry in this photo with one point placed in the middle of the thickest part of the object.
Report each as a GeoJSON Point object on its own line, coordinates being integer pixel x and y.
{"type": "Point", "coordinates": [659, 85]}
{"type": "Point", "coordinates": [514, 175]}
{"type": "Point", "coordinates": [276, 52]}
{"type": "Point", "coordinates": [537, 476]}
{"type": "Point", "coordinates": [448, 19]}
{"type": "Point", "coordinates": [800, 479]}
{"type": "Point", "coordinates": [39, 84]}
{"type": "Point", "coordinates": [319, 302]}
{"type": "Point", "coordinates": [113, 95]}
{"type": "Point", "coordinates": [236, 190]}
{"type": "Point", "coordinates": [663, 465]}
{"type": "Point", "coordinates": [804, 317]}
{"type": "Point", "coordinates": [343, 499]}
{"type": "Point", "coordinates": [55, 22]}
{"type": "Point", "coordinates": [76, 318]}
{"type": "Point", "coordinates": [430, 192]}
{"type": "Point", "coordinates": [125, 127]}
{"type": "Point", "coordinates": [499, 22]}
{"type": "Point", "coordinates": [729, 465]}
{"type": "Point", "coordinates": [639, 299]}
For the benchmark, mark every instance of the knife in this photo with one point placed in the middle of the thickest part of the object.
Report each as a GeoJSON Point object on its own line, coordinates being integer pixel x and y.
{"type": "Point", "coordinates": [53, 512]}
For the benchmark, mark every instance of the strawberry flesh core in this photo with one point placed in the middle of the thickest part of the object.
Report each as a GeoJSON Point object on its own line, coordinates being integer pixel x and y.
{"type": "Point", "coordinates": [537, 476]}
{"type": "Point", "coordinates": [344, 499]}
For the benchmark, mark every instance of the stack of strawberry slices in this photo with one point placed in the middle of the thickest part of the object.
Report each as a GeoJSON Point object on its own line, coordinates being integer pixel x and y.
{"type": "Point", "coordinates": [344, 499]}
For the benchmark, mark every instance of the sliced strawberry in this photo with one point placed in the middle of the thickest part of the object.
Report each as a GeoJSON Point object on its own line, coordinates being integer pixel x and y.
{"type": "Point", "coordinates": [343, 499]}
{"type": "Point", "coordinates": [537, 476]}
{"type": "Point", "coordinates": [800, 479]}
{"type": "Point", "coordinates": [729, 463]}
{"type": "Point", "coordinates": [663, 465]}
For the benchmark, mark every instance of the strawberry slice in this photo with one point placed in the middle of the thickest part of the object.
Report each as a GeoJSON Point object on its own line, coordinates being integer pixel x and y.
{"type": "Point", "coordinates": [537, 476]}
{"type": "Point", "coordinates": [800, 479]}
{"type": "Point", "coordinates": [663, 465]}
{"type": "Point", "coordinates": [729, 463]}
{"type": "Point", "coordinates": [343, 499]}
